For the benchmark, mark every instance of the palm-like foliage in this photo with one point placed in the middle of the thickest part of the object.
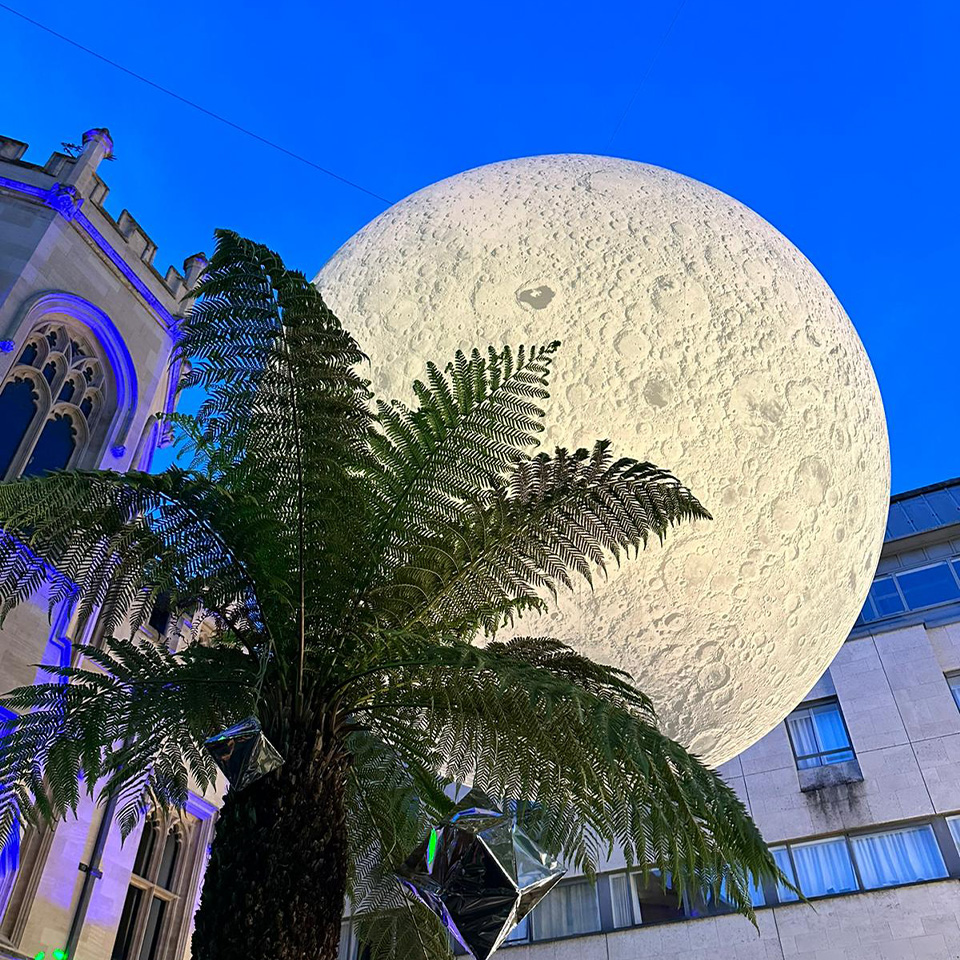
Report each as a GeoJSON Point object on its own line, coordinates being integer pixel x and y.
{"type": "Point", "coordinates": [350, 555]}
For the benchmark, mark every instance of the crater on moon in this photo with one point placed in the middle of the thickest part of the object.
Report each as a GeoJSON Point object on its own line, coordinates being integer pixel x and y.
{"type": "Point", "coordinates": [536, 297]}
{"type": "Point", "coordinates": [693, 335]}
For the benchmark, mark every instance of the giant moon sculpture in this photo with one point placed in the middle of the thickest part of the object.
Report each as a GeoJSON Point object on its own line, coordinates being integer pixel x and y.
{"type": "Point", "coordinates": [693, 335]}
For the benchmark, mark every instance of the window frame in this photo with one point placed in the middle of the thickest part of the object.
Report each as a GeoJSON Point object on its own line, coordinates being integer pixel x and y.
{"type": "Point", "coordinates": [811, 706]}
{"type": "Point", "coordinates": [848, 838]}
{"type": "Point", "coordinates": [928, 566]}
{"type": "Point", "coordinates": [534, 935]}
{"type": "Point", "coordinates": [953, 567]}
{"type": "Point", "coordinates": [177, 898]}
{"type": "Point", "coordinates": [952, 676]}
{"type": "Point", "coordinates": [954, 834]}
{"type": "Point", "coordinates": [90, 429]}
{"type": "Point", "coordinates": [901, 828]}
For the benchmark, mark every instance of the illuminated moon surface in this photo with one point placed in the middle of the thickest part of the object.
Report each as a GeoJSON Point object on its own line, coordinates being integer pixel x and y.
{"type": "Point", "coordinates": [695, 336]}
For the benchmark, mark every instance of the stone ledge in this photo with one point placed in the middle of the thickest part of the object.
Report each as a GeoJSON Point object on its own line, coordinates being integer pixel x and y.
{"type": "Point", "coordinates": [830, 775]}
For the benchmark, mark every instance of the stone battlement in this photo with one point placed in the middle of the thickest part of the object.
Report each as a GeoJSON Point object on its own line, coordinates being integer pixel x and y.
{"type": "Point", "coordinates": [80, 173]}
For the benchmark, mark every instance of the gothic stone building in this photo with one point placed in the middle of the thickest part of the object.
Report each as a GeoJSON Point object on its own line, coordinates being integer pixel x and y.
{"type": "Point", "coordinates": [858, 791]}
{"type": "Point", "coordinates": [87, 325]}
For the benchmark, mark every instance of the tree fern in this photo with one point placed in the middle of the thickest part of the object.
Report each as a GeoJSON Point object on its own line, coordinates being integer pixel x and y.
{"type": "Point", "coordinates": [351, 555]}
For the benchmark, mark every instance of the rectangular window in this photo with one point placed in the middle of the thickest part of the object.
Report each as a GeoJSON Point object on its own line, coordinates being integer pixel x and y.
{"type": "Point", "coordinates": [10, 851]}
{"type": "Point", "coordinates": [520, 933]}
{"type": "Point", "coordinates": [344, 952]}
{"type": "Point", "coordinates": [655, 900]}
{"type": "Point", "coordinates": [954, 824]}
{"type": "Point", "coordinates": [885, 598]}
{"type": "Point", "coordinates": [824, 867]}
{"type": "Point", "coordinates": [571, 909]}
{"type": "Point", "coordinates": [622, 900]}
{"type": "Point", "coordinates": [710, 903]}
{"type": "Point", "coordinates": [953, 679]}
{"type": "Point", "coordinates": [894, 857]}
{"type": "Point", "coordinates": [928, 586]}
{"type": "Point", "coordinates": [818, 735]}
{"type": "Point", "coordinates": [782, 856]}
{"type": "Point", "coordinates": [160, 614]}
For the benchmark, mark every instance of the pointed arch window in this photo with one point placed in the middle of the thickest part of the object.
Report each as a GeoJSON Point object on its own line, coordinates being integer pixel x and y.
{"type": "Point", "coordinates": [55, 402]}
{"type": "Point", "coordinates": [161, 897]}
{"type": "Point", "coordinates": [19, 406]}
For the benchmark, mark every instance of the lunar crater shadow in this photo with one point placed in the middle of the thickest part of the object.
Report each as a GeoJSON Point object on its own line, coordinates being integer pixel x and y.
{"type": "Point", "coordinates": [536, 297]}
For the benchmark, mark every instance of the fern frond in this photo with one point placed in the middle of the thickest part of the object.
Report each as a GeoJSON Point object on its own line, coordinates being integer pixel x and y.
{"type": "Point", "coordinates": [119, 540]}
{"type": "Point", "coordinates": [532, 720]}
{"type": "Point", "coordinates": [131, 722]}
{"type": "Point", "coordinates": [525, 536]}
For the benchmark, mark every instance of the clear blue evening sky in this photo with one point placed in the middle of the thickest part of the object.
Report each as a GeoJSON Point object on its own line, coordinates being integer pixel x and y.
{"type": "Point", "coordinates": [836, 121]}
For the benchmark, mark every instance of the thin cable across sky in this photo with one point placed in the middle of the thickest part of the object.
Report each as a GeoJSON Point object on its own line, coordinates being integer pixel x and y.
{"type": "Point", "coordinates": [196, 106]}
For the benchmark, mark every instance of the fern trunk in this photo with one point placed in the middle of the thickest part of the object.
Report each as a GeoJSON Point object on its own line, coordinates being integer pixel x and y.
{"type": "Point", "coordinates": [276, 880]}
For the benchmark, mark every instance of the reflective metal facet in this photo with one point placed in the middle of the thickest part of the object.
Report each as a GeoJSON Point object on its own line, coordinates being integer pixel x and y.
{"type": "Point", "coordinates": [480, 874]}
{"type": "Point", "coordinates": [243, 753]}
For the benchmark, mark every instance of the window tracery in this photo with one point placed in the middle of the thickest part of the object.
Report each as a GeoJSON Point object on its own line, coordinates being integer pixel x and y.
{"type": "Point", "coordinates": [53, 402]}
{"type": "Point", "coordinates": [158, 907]}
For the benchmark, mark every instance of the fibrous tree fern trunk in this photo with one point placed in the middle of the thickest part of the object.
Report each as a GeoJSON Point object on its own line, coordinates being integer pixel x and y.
{"type": "Point", "coordinates": [277, 876]}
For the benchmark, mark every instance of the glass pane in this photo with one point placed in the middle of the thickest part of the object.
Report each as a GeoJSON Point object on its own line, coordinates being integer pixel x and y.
{"type": "Point", "coordinates": [954, 824]}
{"type": "Point", "coordinates": [824, 867]}
{"type": "Point", "coordinates": [520, 932]}
{"type": "Point", "coordinates": [782, 857]}
{"type": "Point", "coordinates": [954, 682]}
{"type": "Point", "coordinates": [924, 588]}
{"type": "Point", "coordinates": [121, 946]}
{"type": "Point", "coordinates": [168, 861]}
{"type": "Point", "coordinates": [710, 904]}
{"type": "Point", "coordinates": [571, 908]}
{"type": "Point", "coordinates": [945, 506]}
{"type": "Point", "coordinates": [18, 407]}
{"type": "Point", "coordinates": [151, 936]}
{"type": "Point", "coordinates": [621, 897]}
{"type": "Point", "coordinates": [803, 736]}
{"type": "Point", "coordinates": [160, 614]}
{"type": "Point", "coordinates": [29, 354]}
{"type": "Point", "coordinates": [10, 851]}
{"type": "Point", "coordinates": [898, 856]}
{"type": "Point", "coordinates": [885, 598]}
{"type": "Point", "coordinates": [148, 840]}
{"type": "Point", "coordinates": [343, 952]}
{"type": "Point", "coordinates": [897, 523]}
{"type": "Point", "coordinates": [55, 446]}
{"type": "Point", "coordinates": [831, 733]}
{"type": "Point", "coordinates": [920, 513]}
{"type": "Point", "coordinates": [657, 903]}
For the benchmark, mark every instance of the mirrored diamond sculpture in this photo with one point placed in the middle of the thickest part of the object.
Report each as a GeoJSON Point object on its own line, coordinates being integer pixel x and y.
{"type": "Point", "coordinates": [243, 753]}
{"type": "Point", "coordinates": [480, 874]}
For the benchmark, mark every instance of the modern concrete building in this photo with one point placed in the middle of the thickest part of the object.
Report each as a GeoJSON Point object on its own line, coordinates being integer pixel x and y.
{"type": "Point", "coordinates": [858, 791]}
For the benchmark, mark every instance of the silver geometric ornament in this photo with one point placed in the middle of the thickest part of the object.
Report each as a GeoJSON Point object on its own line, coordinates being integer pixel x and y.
{"type": "Point", "coordinates": [243, 753]}
{"type": "Point", "coordinates": [480, 874]}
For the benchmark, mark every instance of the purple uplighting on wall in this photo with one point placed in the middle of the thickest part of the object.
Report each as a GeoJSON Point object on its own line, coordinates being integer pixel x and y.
{"type": "Point", "coordinates": [66, 201]}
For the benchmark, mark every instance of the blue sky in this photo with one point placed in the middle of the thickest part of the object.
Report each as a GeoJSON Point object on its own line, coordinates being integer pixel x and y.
{"type": "Point", "coordinates": [835, 121]}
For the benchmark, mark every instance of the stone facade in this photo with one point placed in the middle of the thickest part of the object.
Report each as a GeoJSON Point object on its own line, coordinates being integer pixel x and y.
{"type": "Point", "coordinates": [69, 270]}
{"type": "Point", "coordinates": [891, 680]}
